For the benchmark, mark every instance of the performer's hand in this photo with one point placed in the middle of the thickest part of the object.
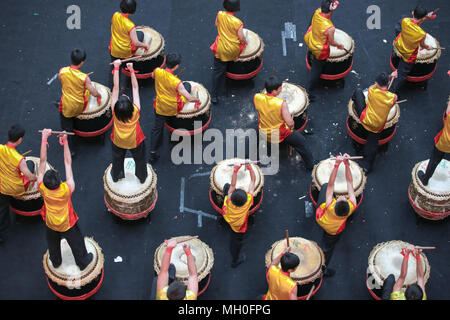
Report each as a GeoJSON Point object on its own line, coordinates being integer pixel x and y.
{"type": "Point", "coordinates": [394, 74]}
{"type": "Point", "coordinates": [62, 139]}
{"type": "Point", "coordinates": [340, 46]}
{"type": "Point", "coordinates": [99, 100]}
{"type": "Point", "coordinates": [146, 47]}
{"type": "Point", "coordinates": [248, 166]}
{"type": "Point", "coordinates": [186, 248]}
{"type": "Point", "coordinates": [117, 63]}
{"type": "Point", "coordinates": [130, 66]}
{"type": "Point", "coordinates": [346, 156]}
{"type": "Point", "coordinates": [430, 16]}
{"type": "Point", "coordinates": [339, 159]}
{"type": "Point", "coordinates": [46, 133]}
{"type": "Point", "coordinates": [286, 250]}
{"type": "Point", "coordinates": [237, 167]}
{"type": "Point", "coordinates": [334, 5]}
{"type": "Point", "coordinates": [410, 248]}
{"type": "Point", "coordinates": [172, 243]}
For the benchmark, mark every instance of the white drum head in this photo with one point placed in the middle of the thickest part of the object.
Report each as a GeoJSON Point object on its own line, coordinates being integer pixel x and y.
{"type": "Point", "coordinates": [439, 182]}
{"type": "Point", "coordinates": [92, 105]}
{"type": "Point", "coordinates": [341, 37]}
{"type": "Point", "coordinates": [295, 98]}
{"type": "Point", "coordinates": [152, 38]}
{"type": "Point", "coordinates": [224, 173]}
{"type": "Point", "coordinates": [325, 167]}
{"type": "Point", "coordinates": [253, 44]}
{"type": "Point", "coordinates": [426, 54]}
{"type": "Point", "coordinates": [196, 90]}
{"type": "Point", "coordinates": [130, 185]}
{"type": "Point", "coordinates": [68, 267]}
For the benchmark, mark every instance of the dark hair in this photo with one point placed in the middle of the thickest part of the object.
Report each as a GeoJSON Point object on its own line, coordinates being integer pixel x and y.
{"type": "Point", "coordinates": [289, 261]}
{"type": "Point", "coordinates": [128, 6]}
{"type": "Point", "coordinates": [232, 5]}
{"type": "Point", "coordinates": [172, 59]}
{"type": "Point", "coordinates": [272, 83]}
{"type": "Point", "coordinates": [176, 291]}
{"type": "Point", "coordinates": [51, 179]}
{"type": "Point", "coordinates": [238, 197]}
{"type": "Point", "coordinates": [414, 292]}
{"type": "Point", "coordinates": [77, 56]}
{"type": "Point", "coordinates": [325, 6]}
{"type": "Point", "coordinates": [420, 12]}
{"type": "Point", "coordinates": [382, 79]}
{"type": "Point", "coordinates": [123, 109]}
{"type": "Point", "coordinates": [15, 132]}
{"type": "Point", "coordinates": [341, 208]}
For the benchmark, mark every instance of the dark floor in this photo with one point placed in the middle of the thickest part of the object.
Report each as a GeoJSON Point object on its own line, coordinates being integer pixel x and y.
{"type": "Point", "coordinates": [35, 44]}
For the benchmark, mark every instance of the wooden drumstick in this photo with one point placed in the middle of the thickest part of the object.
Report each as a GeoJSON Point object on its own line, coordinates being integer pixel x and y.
{"type": "Point", "coordinates": [90, 73]}
{"type": "Point", "coordinates": [310, 292]}
{"type": "Point", "coordinates": [425, 248]}
{"type": "Point", "coordinates": [25, 153]}
{"type": "Point", "coordinates": [390, 83]}
{"type": "Point", "coordinates": [188, 239]}
{"type": "Point", "coordinates": [401, 101]}
{"type": "Point", "coordinates": [245, 162]}
{"type": "Point", "coordinates": [181, 72]}
{"type": "Point", "coordinates": [60, 132]}
{"type": "Point", "coordinates": [287, 238]}
{"type": "Point", "coordinates": [350, 158]}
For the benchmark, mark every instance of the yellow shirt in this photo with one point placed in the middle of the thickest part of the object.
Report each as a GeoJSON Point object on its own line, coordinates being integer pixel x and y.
{"type": "Point", "coordinates": [379, 104]}
{"type": "Point", "coordinates": [227, 46]}
{"type": "Point", "coordinates": [270, 116]}
{"type": "Point", "coordinates": [121, 45]}
{"type": "Point", "coordinates": [408, 40]}
{"type": "Point", "coordinates": [74, 97]}
{"type": "Point", "coordinates": [442, 139]}
{"type": "Point", "coordinates": [400, 295]}
{"type": "Point", "coordinates": [237, 217]}
{"type": "Point", "coordinates": [315, 37]}
{"type": "Point", "coordinates": [326, 217]}
{"type": "Point", "coordinates": [58, 211]}
{"type": "Point", "coordinates": [11, 178]}
{"type": "Point", "coordinates": [168, 101]}
{"type": "Point", "coordinates": [162, 294]}
{"type": "Point", "coordinates": [127, 135]}
{"type": "Point", "coordinates": [280, 284]}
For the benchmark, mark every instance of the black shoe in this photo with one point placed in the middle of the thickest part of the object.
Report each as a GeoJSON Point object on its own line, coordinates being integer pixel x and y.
{"type": "Point", "coordinates": [153, 157]}
{"type": "Point", "coordinates": [172, 272]}
{"type": "Point", "coordinates": [56, 265]}
{"type": "Point", "coordinates": [214, 100]}
{"type": "Point", "coordinates": [142, 180]}
{"type": "Point", "coordinates": [421, 176]}
{"type": "Point", "coordinates": [241, 259]}
{"type": "Point", "coordinates": [90, 258]}
{"type": "Point", "coordinates": [31, 166]}
{"type": "Point", "coordinates": [329, 272]}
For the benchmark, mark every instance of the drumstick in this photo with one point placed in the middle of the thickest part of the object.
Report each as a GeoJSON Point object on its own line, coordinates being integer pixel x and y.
{"type": "Point", "coordinates": [25, 153]}
{"type": "Point", "coordinates": [188, 239]}
{"type": "Point", "coordinates": [401, 101]}
{"type": "Point", "coordinates": [245, 162]}
{"type": "Point", "coordinates": [390, 83]}
{"type": "Point", "coordinates": [182, 70]}
{"type": "Point", "coordinates": [90, 73]}
{"type": "Point", "coordinates": [350, 158]}
{"type": "Point", "coordinates": [310, 292]}
{"type": "Point", "coordinates": [425, 248]}
{"type": "Point", "coordinates": [60, 132]}
{"type": "Point", "coordinates": [287, 237]}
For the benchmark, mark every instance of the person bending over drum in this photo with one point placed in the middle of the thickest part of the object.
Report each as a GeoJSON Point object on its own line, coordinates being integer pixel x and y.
{"type": "Point", "coordinates": [229, 44]}
{"type": "Point", "coordinates": [332, 213]}
{"type": "Point", "coordinates": [171, 95]}
{"type": "Point", "coordinates": [392, 290]}
{"type": "Point", "coordinates": [319, 38]}
{"type": "Point", "coordinates": [281, 285]}
{"type": "Point", "coordinates": [373, 115]}
{"type": "Point", "coordinates": [127, 133]}
{"type": "Point", "coordinates": [275, 121]}
{"type": "Point", "coordinates": [236, 206]}
{"type": "Point", "coordinates": [441, 148]}
{"type": "Point", "coordinates": [15, 174]}
{"type": "Point", "coordinates": [58, 213]}
{"type": "Point", "coordinates": [407, 43]}
{"type": "Point", "coordinates": [76, 87]}
{"type": "Point", "coordinates": [176, 290]}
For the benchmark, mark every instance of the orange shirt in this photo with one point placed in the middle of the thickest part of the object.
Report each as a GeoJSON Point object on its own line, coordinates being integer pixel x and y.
{"type": "Point", "coordinates": [168, 101]}
{"type": "Point", "coordinates": [227, 46]}
{"type": "Point", "coordinates": [379, 104]}
{"type": "Point", "coordinates": [237, 217]}
{"type": "Point", "coordinates": [127, 135]}
{"type": "Point", "coordinates": [270, 115]}
{"type": "Point", "coordinates": [12, 181]}
{"type": "Point", "coordinates": [326, 217]}
{"type": "Point", "coordinates": [120, 44]}
{"type": "Point", "coordinates": [280, 284]}
{"type": "Point", "coordinates": [408, 40]}
{"type": "Point", "coordinates": [75, 97]}
{"type": "Point", "coordinates": [442, 139]}
{"type": "Point", "coordinates": [58, 211]}
{"type": "Point", "coordinates": [315, 38]}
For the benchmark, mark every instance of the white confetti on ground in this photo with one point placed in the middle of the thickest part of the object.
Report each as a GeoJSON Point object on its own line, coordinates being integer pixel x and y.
{"type": "Point", "coordinates": [300, 44]}
{"type": "Point", "coordinates": [384, 40]}
{"type": "Point", "coordinates": [118, 259]}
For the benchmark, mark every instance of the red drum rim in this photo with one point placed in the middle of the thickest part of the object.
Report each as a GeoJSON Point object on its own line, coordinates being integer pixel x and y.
{"type": "Point", "coordinates": [219, 210]}
{"type": "Point", "coordinates": [190, 132]}
{"type": "Point", "coordinates": [331, 76]}
{"type": "Point", "coordinates": [370, 290]}
{"type": "Point", "coordinates": [143, 75]}
{"type": "Point", "coordinates": [93, 133]}
{"type": "Point", "coordinates": [412, 78]}
{"type": "Point", "coordinates": [426, 214]}
{"type": "Point", "coordinates": [25, 213]}
{"type": "Point", "coordinates": [236, 76]}
{"type": "Point", "coordinates": [315, 203]}
{"type": "Point", "coordinates": [206, 286]}
{"type": "Point", "coordinates": [82, 297]}
{"type": "Point", "coordinates": [137, 216]}
{"type": "Point", "coordinates": [364, 141]}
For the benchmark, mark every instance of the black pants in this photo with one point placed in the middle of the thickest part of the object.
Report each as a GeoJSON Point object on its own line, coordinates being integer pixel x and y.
{"type": "Point", "coordinates": [371, 146]}
{"type": "Point", "coordinates": [403, 71]}
{"type": "Point", "coordinates": [316, 71]}
{"type": "Point", "coordinates": [299, 143]}
{"type": "Point", "coordinates": [5, 219]}
{"type": "Point", "coordinates": [138, 153]}
{"type": "Point", "coordinates": [435, 157]}
{"type": "Point", "coordinates": [388, 286]}
{"type": "Point", "coordinates": [219, 77]}
{"type": "Point", "coordinates": [236, 239]}
{"type": "Point", "coordinates": [76, 242]}
{"type": "Point", "coordinates": [67, 125]}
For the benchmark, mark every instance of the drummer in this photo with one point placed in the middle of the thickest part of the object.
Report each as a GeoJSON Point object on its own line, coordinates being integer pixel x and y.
{"type": "Point", "coordinates": [275, 119]}
{"type": "Point", "coordinates": [171, 95]}
{"type": "Point", "coordinates": [127, 133]}
{"type": "Point", "coordinates": [58, 213]}
{"type": "Point", "coordinates": [332, 213]}
{"type": "Point", "coordinates": [13, 182]}
{"type": "Point", "coordinates": [176, 290]}
{"type": "Point", "coordinates": [236, 206]}
{"type": "Point", "coordinates": [281, 285]}
{"type": "Point", "coordinates": [319, 38]}
{"type": "Point", "coordinates": [407, 43]}
{"type": "Point", "coordinates": [76, 87]}
{"type": "Point", "coordinates": [229, 44]}
{"type": "Point", "coordinates": [441, 149]}
{"type": "Point", "coordinates": [373, 115]}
